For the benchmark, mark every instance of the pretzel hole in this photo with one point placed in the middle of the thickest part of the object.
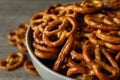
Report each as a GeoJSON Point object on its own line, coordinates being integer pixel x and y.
{"type": "Point", "coordinates": [4, 63]}
{"type": "Point", "coordinates": [38, 17]}
{"type": "Point", "coordinates": [104, 71]}
{"type": "Point", "coordinates": [68, 27]}
{"type": "Point", "coordinates": [55, 27]}
{"type": "Point", "coordinates": [53, 38]}
{"type": "Point", "coordinates": [51, 19]}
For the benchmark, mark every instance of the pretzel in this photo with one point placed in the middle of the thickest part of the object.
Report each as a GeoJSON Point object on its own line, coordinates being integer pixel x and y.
{"type": "Point", "coordinates": [13, 61]}
{"type": "Point", "coordinates": [101, 21]}
{"type": "Point", "coordinates": [112, 4]}
{"type": "Point", "coordinates": [45, 55]}
{"type": "Point", "coordinates": [76, 70]}
{"type": "Point", "coordinates": [29, 67]}
{"type": "Point", "coordinates": [94, 40]}
{"type": "Point", "coordinates": [41, 19]}
{"type": "Point", "coordinates": [108, 38]}
{"type": "Point", "coordinates": [64, 52]}
{"type": "Point", "coordinates": [87, 6]}
{"type": "Point", "coordinates": [45, 48]}
{"type": "Point", "coordinates": [55, 34]}
{"type": "Point", "coordinates": [98, 64]}
{"type": "Point", "coordinates": [12, 37]}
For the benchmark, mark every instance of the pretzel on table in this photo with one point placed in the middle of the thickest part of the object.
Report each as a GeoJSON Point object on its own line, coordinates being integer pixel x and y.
{"type": "Point", "coordinates": [13, 61]}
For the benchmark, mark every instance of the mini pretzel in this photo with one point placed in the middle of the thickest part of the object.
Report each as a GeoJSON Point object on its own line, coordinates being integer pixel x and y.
{"type": "Point", "coordinates": [12, 37]}
{"type": "Point", "coordinates": [94, 40]}
{"type": "Point", "coordinates": [76, 52]}
{"type": "Point", "coordinates": [108, 38]}
{"type": "Point", "coordinates": [97, 63]}
{"type": "Point", "coordinates": [29, 67]}
{"type": "Point", "coordinates": [64, 11]}
{"type": "Point", "coordinates": [45, 48]}
{"type": "Point", "coordinates": [64, 52]}
{"type": "Point", "coordinates": [101, 21]}
{"type": "Point", "coordinates": [41, 18]}
{"type": "Point", "coordinates": [87, 6]}
{"type": "Point", "coordinates": [76, 70]}
{"type": "Point", "coordinates": [13, 61]}
{"type": "Point", "coordinates": [55, 34]}
{"type": "Point", "coordinates": [45, 55]}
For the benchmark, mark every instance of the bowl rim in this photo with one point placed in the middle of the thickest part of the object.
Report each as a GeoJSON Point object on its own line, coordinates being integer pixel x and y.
{"type": "Point", "coordinates": [38, 61]}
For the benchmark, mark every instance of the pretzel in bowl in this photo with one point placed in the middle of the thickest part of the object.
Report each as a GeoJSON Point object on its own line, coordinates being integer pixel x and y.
{"type": "Point", "coordinates": [87, 6]}
{"type": "Point", "coordinates": [41, 19]}
{"type": "Point", "coordinates": [13, 61]}
{"type": "Point", "coordinates": [102, 21]}
{"type": "Point", "coordinates": [98, 63]}
{"type": "Point", "coordinates": [64, 52]}
{"type": "Point", "coordinates": [56, 33]}
{"type": "Point", "coordinates": [41, 49]}
{"type": "Point", "coordinates": [97, 41]}
{"type": "Point", "coordinates": [29, 67]}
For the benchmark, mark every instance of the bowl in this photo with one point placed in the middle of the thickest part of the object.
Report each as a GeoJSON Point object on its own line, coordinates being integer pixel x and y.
{"type": "Point", "coordinates": [45, 72]}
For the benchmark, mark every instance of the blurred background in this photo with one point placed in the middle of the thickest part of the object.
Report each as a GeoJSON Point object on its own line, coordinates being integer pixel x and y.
{"type": "Point", "coordinates": [13, 13]}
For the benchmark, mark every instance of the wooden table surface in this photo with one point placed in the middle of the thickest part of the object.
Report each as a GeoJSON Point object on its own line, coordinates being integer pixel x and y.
{"type": "Point", "coordinates": [13, 13]}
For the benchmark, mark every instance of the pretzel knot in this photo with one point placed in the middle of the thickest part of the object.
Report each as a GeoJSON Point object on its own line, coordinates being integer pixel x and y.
{"type": "Point", "coordinates": [13, 61]}
{"type": "Point", "coordinates": [104, 69]}
{"type": "Point", "coordinates": [56, 33]}
{"type": "Point", "coordinates": [87, 6]}
{"type": "Point", "coordinates": [41, 19]}
{"type": "Point", "coordinates": [29, 67]}
{"type": "Point", "coordinates": [103, 21]}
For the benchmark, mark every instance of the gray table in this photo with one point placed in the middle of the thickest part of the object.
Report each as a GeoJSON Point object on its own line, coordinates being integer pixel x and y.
{"type": "Point", "coordinates": [12, 13]}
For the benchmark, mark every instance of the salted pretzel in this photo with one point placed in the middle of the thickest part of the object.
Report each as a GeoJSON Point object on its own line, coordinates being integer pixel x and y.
{"type": "Point", "coordinates": [98, 63]}
{"type": "Point", "coordinates": [109, 38]}
{"type": "Point", "coordinates": [95, 40]}
{"type": "Point", "coordinates": [13, 61]}
{"type": "Point", "coordinates": [29, 67]}
{"type": "Point", "coordinates": [112, 4]}
{"type": "Point", "coordinates": [102, 21]}
{"type": "Point", "coordinates": [45, 55]}
{"type": "Point", "coordinates": [87, 6]}
{"type": "Point", "coordinates": [12, 37]}
{"type": "Point", "coordinates": [56, 33]}
{"type": "Point", "coordinates": [45, 48]}
{"type": "Point", "coordinates": [65, 11]}
{"type": "Point", "coordinates": [76, 70]}
{"type": "Point", "coordinates": [41, 19]}
{"type": "Point", "coordinates": [64, 52]}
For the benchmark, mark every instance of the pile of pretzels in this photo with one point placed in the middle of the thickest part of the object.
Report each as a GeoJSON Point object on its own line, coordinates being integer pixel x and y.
{"type": "Point", "coordinates": [14, 60]}
{"type": "Point", "coordinates": [82, 38]}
